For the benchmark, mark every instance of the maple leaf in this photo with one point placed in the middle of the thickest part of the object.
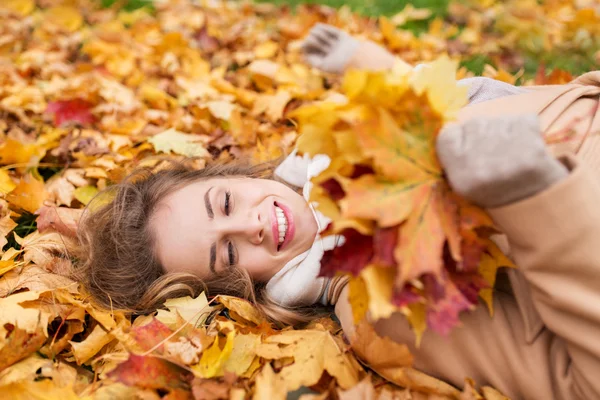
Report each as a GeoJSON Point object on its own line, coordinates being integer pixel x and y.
{"type": "Point", "coordinates": [314, 352]}
{"type": "Point", "coordinates": [60, 219]}
{"type": "Point", "coordinates": [29, 194]}
{"type": "Point", "coordinates": [152, 334]}
{"type": "Point", "coordinates": [214, 358]}
{"type": "Point", "coordinates": [191, 310]}
{"type": "Point", "coordinates": [71, 111]}
{"type": "Point", "coordinates": [352, 256]}
{"type": "Point", "coordinates": [91, 345]}
{"type": "Point", "coordinates": [241, 309]}
{"type": "Point", "coordinates": [150, 372]}
{"type": "Point", "coordinates": [19, 344]}
{"type": "Point", "coordinates": [179, 143]}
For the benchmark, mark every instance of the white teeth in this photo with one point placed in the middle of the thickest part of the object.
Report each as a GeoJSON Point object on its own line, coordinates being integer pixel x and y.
{"type": "Point", "coordinates": [281, 223]}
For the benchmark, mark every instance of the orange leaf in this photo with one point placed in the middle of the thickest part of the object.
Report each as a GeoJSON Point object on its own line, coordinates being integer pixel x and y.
{"type": "Point", "coordinates": [421, 237]}
{"type": "Point", "coordinates": [29, 194]}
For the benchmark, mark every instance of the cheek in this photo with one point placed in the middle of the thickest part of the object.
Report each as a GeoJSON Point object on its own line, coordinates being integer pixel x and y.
{"type": "Point", "coordinates": [260, 264]}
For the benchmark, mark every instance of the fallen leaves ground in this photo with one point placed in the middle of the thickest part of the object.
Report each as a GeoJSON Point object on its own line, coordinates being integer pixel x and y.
{"type": "Point", "coordinates": [87, 94]}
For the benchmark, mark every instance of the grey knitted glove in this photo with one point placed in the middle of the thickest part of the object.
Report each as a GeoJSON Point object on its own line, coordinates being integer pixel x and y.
{"type": "Point", "coordinates": [332, 50]}
{"type": "Point", "coordinates": [497, 161]}
{"type": "Point", "coordinates": [328, 48]}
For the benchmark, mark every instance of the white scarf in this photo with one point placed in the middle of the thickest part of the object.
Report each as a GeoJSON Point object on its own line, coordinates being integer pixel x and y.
{"type": "Point", "coordinates": [297, 283]}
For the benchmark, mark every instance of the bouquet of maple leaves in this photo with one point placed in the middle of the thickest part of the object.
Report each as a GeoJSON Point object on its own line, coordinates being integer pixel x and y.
{"type": "Point", "coordinates": [411, 244]}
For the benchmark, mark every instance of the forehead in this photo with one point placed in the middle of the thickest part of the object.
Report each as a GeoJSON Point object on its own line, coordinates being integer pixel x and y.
{"type": "Point", "coordinates": [175, 224]}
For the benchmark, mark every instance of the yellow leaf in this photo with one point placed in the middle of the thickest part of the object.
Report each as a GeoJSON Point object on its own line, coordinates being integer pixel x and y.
{"type": "Point", "coordinates": [66, 17]}
{"type": "Point", "coordinates": [37, 390]}
{"type": "Point", "coordinates": [29, 194]}
{"type": "Point", "coordinates": [388, 203]}
{"type": "Point", "coordinates": [21, 7]}
{"type": "Point", "coordinates": [272, 105]}
{"type": "Point", "coordinates": [379, 286]}
{"type": "Point", "coordinates": [15, 152]}
{"type": "Point", "coordinates": [214, 358]}
{"type": "Point", "coordinates": [417, 317]}
{"type": "Point", "coordinates": [157, 98]}
{"type": "Point", "coordinates": [6, 183]}
{"type": "Point", "coordinates": [243, 353]}
{"type": "Point", "coordinates": [314, 352]}
{"type": "Point", "coordinates": [28, 319]}
{"type": "Point", "coordinates": [243, 308]}
{"type": "Point", "coordinates": [266, 49]}
{"type": "Point", "coordinates": [6, 226]}
{"type": "Point", "coordinates": [438, 80]}
{"type": "Point", "coordinates": [85, 194]}
{"type": "Point", "coordinates": [358, 298]}
{"type": "Point", "coordinates": [177, 142]}
{"type": "Point", "coordinates": [399, 154]}
{"type": "Point", "coordinates": [221, 109]}
{"type": "Point", "coordinates": [191, 310]}
{"type": "Point", "coordinates": [91, 345]}
{"type": "Point", "coordinates": [6, 266]}
{"type": "Point", "coordinates": [269, 385]}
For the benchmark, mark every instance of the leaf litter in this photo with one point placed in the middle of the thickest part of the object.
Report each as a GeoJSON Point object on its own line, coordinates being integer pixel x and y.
{"type": "Point", "coordinates": [88, 94]}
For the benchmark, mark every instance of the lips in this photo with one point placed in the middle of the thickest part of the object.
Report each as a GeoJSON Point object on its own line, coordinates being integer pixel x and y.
{"type": "Point", "coordinates": [291, 227]}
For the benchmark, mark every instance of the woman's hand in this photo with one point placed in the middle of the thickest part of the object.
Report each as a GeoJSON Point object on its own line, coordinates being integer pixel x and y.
{"type": "Point", "coordinates": [497, 161]}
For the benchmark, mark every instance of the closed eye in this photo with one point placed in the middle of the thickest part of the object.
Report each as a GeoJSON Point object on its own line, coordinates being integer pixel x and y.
{"type": "Point", "coordinates": [227, 202]}
{"type": "Point", "coordinates": [231, 254]}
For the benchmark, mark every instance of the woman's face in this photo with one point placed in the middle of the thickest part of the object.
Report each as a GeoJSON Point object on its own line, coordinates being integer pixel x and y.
{"type": "Point", "coordinates": [213, 225]}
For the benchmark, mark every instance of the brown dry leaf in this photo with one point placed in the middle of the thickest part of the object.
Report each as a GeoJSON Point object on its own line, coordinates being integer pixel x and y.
{"type": "Point", "coordinates": [40, 248]}
{"type": "Point", "coordinates": [59, 219]}
{"type": "Point", "coordinates": [33, 278]}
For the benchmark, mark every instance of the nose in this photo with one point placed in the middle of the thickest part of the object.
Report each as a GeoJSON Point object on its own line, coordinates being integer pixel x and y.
{"type": "Point", "coordinates": [249, 226]}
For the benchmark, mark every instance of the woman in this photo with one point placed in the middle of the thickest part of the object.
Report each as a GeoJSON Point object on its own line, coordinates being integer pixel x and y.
{"type": "Point", "coordinates": [168, 233]}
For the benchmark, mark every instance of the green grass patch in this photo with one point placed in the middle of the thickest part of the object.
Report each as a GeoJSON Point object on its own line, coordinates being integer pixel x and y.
{"type": "Point", "coordinates": [372, 7]}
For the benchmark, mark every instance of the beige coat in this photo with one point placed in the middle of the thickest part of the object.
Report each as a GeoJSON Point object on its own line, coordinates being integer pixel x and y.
{"type": "Point", "coordinates": [543, 341]}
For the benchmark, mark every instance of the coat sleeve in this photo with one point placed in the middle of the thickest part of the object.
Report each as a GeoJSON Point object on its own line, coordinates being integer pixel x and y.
{"type": "Point", "coordinates": [555, 240]}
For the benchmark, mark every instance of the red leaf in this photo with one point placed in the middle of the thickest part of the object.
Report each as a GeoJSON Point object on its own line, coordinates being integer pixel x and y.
{"type": "Point", "coordinates": [470, 285]}
{"type": "Point", "coordinates": [360, 170]}
{"type": "Point", "coordinates": [333, 189]}
{"type": "Point", "coordinates": [472, 249]}
{"type": "Point", "coordinates": [445, 303]}
{"type": "Point", "coordinates": [149, 372]}
{"type": "Point", "coordinates": [149, 335]}
{"type": "Point", "coordinates": [71, 111]}
{"type": "Point", "coordinates": [354, 255]}
{"type": "Point", "coordinates": [408, 295]}
{"type": "Point", "coordinates": [384, 243]}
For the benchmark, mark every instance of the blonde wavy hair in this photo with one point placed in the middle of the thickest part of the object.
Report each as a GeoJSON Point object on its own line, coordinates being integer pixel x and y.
{"type": "Point", "coordinates": [117, 262]}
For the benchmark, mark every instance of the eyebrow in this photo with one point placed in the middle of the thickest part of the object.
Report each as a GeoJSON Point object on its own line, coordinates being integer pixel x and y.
{"type": "Point", "coordinates": [209, 209]}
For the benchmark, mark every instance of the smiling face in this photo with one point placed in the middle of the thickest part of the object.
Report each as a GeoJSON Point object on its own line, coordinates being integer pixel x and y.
{"type": "Point", "coordinates": [212, 225]}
